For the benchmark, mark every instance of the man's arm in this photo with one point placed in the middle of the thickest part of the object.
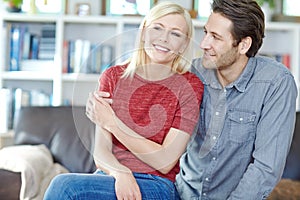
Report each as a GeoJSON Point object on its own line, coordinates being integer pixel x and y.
{"type": "Point", "coordinates": [273, 139]}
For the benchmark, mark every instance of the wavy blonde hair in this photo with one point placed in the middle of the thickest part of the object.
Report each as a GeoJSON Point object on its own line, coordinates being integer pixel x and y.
{"type": "Point", "coordinates": [182, 62]}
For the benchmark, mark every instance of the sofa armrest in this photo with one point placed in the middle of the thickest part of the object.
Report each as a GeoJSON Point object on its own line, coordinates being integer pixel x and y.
{"type": "Point", "coordinates": [10, 184]}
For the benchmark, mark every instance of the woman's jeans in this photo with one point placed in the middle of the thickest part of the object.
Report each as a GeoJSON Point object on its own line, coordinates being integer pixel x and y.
{"type": "Point", "coordinates": [101, 186]}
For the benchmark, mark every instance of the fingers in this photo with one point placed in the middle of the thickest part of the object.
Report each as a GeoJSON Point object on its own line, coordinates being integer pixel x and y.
{"type": "Point", "coordinates": [103, 95]}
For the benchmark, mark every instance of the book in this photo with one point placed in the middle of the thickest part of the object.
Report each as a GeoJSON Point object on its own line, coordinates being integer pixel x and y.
{"type": "Point", "coordinates": [5, 110]}
{"type": "Point", "coordinates": [15, 51]}
{"type": "Point", "coordinates": [106, 57]}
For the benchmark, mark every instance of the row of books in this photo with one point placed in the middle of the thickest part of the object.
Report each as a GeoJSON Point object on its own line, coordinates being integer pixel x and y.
{"type": "Point", "coordinates": [24, 45]}
{"type": "Point", "coordinates": [284, 58]}
{"type": "Point", "coordinates": [12, 99]}
{"type": "Point", "coordinates": [81, 56]}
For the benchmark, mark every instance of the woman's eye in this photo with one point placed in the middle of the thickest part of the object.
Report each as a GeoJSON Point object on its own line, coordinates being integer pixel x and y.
{"type": "Point", "coordinates": [176, 34]}
{"type": "Point", "coordinates": [157, 28]}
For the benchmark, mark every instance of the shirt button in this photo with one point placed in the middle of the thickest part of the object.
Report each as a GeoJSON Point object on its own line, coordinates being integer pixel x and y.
{"type": "Point", "coordinates": [214, 137]}
{"type": "Point", "coordinates": [204, 194]}
{"type": "Point", "coordinates": [207, 179]}
{"type": "Point", "coordinates": [217, 113]}
{"type": "Point", "coordinates": [241, 119]}
{"type": "Point", "coordinates": [214, 158]}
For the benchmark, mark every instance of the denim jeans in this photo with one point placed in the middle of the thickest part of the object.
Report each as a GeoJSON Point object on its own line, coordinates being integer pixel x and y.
{"type": "Point", "coordinates": [73, 186]}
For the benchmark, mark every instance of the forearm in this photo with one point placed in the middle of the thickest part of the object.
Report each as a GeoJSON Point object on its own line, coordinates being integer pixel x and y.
{"type": "Point", "coordinates": [103, 156]}
{"type": "Point", "coordinates": [161, 157]}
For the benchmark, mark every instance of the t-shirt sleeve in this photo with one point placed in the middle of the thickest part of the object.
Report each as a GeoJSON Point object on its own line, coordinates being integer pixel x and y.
{"type": "Point", "coordinates": [109, 78]}
{"type": "Point", "coordinates": [187, 114]}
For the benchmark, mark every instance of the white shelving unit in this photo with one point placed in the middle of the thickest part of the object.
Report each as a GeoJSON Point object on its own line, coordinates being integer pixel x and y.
{"type": "Point", "coordinates": [120, 33]}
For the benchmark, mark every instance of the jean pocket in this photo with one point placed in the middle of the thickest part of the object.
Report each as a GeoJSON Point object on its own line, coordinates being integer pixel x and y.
{"type": "Point", "coordinates": [242, 125]}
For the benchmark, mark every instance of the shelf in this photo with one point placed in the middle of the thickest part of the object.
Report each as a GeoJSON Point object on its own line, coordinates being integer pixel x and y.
{"type": "Point", "coordinates": [72, 77]}
{"type": "Point", "coordinates": [26, 75]}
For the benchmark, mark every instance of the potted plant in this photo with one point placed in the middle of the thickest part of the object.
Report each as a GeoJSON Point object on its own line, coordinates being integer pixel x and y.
{"type": "Point", "coordinates": [14, 5]}
{"type": "Point", "coordinates": [268, 7]}
{"type": "Point", "coordinates": [271, 3]}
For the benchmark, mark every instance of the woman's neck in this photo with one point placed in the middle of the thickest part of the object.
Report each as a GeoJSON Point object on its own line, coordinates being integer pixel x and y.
{"type": "Point", "coordinates": [154, 72]}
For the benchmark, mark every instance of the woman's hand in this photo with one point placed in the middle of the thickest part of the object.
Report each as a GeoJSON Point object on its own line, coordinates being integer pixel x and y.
{"type": "Point", "coordinates": [99, 111]}
{"type": "Point", "coordinates": [126, 187]}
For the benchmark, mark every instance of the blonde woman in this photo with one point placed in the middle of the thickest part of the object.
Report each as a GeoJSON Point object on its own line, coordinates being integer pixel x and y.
{"type": "Point", "coordinates": [145, 112]}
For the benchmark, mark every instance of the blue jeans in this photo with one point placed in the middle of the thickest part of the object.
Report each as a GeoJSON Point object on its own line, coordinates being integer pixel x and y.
{"type": "Point", "coordinates": [73, 186]}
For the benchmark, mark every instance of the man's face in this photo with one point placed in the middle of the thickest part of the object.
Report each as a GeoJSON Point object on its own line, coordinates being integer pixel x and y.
{"type": "Point", "coordinates": [219, 52]}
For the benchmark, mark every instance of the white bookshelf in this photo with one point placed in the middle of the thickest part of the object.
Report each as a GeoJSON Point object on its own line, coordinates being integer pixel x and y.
{"type": "Point", "coordinates": [120, 33]}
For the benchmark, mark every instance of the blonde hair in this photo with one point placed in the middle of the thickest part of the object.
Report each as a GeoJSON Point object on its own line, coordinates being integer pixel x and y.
{"type": "Point", "coordinates": [181, 63]}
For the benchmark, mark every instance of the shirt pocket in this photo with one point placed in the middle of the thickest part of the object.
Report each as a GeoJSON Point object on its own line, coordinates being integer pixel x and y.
{"type": "Point", "coordinates": [242, 126]}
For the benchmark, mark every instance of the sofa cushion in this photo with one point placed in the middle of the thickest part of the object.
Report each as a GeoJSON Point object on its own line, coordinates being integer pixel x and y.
{"type": "Point", "coordinates": [65, 130]}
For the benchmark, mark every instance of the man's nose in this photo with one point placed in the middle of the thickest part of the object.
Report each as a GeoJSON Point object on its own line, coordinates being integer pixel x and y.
{"type": "Point", "coordinates": [206, 42]}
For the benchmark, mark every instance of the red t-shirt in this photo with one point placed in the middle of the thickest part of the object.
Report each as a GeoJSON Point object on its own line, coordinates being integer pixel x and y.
{"type": "Point", "coordinates": [151, 108]}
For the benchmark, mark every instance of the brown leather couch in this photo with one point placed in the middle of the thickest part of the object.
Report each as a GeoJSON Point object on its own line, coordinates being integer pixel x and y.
{"type": "Point", "coordinates": [69, 135]}
{"type": "Point", "coordinates": [65, 130]}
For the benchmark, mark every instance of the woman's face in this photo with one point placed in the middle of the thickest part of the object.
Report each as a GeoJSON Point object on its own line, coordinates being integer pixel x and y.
{"type": "Point", "coordinates": [165, 38]}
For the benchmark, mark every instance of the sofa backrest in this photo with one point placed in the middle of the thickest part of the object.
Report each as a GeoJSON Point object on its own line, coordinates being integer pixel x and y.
{"type": "Point", "coordinates": [65, 130]}
{"type": "Point", "coordinates": [292, 167]}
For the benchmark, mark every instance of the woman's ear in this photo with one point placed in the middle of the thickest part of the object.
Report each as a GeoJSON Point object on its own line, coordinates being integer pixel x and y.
{"type": "Point", "coordinates": [245, 45]}
{"type": "Point", "coordinates": [143, 34]}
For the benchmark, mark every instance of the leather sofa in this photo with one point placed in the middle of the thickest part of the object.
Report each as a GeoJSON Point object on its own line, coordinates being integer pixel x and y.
{"type": "Point", "coordinates": [69, 135]}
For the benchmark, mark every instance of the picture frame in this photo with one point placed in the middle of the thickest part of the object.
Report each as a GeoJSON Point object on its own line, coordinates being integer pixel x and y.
{"type": "Point", "coordinates": [127, 7]}
{"type": "Point", "coordinates": [291, 7]}
{"type": "Point", "coordinates": [288, 12]}
{"type": "Point", "coordinates": [202, 8]}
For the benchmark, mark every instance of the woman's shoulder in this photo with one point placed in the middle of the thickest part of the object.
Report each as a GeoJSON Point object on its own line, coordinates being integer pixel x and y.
{"type": "Point", "coordinates": [116, 69]}
{"type": "Point", "coordinates": [191, 77]}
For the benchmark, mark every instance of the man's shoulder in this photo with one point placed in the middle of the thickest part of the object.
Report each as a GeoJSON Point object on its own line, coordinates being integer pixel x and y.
{"type": "Point", "coordinates": [268, 69]}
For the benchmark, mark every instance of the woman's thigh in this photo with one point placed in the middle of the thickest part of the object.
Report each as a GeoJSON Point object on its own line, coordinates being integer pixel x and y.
{"type": "Point", "coordinates": [101, 186]}
{"type": "Point", "coordinates": [81, 186]}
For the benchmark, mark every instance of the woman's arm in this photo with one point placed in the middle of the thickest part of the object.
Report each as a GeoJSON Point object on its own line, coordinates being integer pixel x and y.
{"type": "Point", "coordinates": [161, 157]}
{"type": "Point", "coordinates": [126, 186]}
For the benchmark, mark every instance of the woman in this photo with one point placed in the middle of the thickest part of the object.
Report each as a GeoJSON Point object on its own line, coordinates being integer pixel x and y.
{"type": "Point", "coordinates": [154, 109]}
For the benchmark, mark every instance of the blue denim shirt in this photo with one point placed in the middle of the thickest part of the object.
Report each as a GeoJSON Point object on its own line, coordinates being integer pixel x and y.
{"type": "Point", "coordinates": [243, 136]}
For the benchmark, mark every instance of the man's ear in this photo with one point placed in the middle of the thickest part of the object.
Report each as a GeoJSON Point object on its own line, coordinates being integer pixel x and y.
{"type": "Point", "coordinates": [245, 45]}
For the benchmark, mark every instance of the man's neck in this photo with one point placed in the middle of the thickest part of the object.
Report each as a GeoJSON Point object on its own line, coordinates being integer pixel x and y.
{"type": "Point", "coordinates": [228, 75]}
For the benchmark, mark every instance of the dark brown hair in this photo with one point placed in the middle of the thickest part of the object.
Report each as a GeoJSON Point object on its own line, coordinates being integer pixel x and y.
{"type": "Point", "coordinates": [247, 19]}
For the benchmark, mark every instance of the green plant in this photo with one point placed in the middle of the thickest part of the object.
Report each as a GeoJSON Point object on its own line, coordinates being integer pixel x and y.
{"type": "Point", "coordinates": [15, 3]}
{"type": "Point", "coordinates": [270, 2]}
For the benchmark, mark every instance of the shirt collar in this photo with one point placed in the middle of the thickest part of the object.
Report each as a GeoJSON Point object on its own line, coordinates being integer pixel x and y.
{"type": "Point", "coordinates": [209, 77]}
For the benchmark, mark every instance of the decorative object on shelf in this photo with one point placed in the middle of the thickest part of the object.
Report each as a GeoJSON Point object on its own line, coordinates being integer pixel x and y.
{"type": "Point", "coordinates": [14, 5]}
{"type": "Point", "coordinates": [83, 9]}
{"type": "Point", "coordinates": [75, 6]}
{"type": "Point", "coordinates": [127, 7]}
{"type": "Point", "coordinates": [44, 6]}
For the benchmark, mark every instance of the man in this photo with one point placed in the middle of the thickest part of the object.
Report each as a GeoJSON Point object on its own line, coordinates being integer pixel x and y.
{"type": "Point", "coordinates": [247, 113]}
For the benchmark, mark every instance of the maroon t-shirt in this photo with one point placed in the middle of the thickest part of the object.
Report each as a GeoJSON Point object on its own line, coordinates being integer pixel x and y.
{"type": "Point", "coordinates": [151, 108]}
